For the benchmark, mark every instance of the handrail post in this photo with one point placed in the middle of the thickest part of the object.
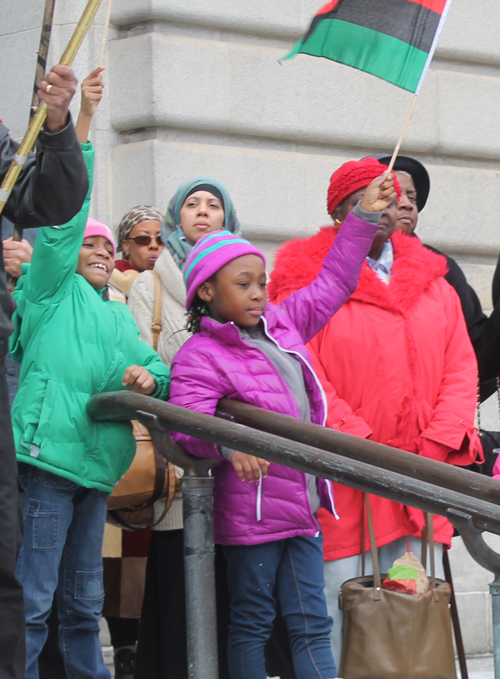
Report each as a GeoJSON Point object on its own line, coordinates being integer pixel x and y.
{"type": "Point", "coordinates": [200, 577]}
{"type": "Point", "coordinates": [495, 606]}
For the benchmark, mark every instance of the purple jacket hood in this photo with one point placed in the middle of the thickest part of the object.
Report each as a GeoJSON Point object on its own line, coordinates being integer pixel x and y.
{"type": "Point", "coordinates": [217, 363]}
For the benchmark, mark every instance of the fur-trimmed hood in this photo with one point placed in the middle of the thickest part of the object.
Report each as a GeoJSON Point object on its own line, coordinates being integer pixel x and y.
{"type": "Point", "coordinates": [299, 261]}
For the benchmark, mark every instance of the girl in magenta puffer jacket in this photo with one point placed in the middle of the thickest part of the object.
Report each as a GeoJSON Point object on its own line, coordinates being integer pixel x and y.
{"type": "Point", "coordinates": [246, 349]}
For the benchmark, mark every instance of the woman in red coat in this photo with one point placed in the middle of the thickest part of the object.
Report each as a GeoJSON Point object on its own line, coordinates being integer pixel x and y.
{"type": "Point", "coordinates": [397, 367]}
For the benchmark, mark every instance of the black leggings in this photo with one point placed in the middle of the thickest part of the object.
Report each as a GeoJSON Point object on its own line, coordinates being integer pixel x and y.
{"type": "Point", "coordinates": [162, 646]}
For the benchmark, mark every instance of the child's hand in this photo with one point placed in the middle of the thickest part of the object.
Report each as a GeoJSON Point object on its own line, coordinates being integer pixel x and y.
{"type": "Point", "coordinates": [15, 253]}
{"type": "Point", "coordinates": [92, 88]}
{"type": "Point", "coordinates": [139, 379]}
{"type": "Point", "coordinates": [249, 466]}
{"type": "Point", "coordinates": [379, 194]}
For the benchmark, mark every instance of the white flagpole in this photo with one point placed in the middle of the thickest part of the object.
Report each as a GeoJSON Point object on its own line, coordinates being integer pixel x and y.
{"type": "Point", "coordinates": [105, 32]}
{"type": "Point", "coordinates": [420, 83]}
{"type": "Point", "coordinates": [400, 140]}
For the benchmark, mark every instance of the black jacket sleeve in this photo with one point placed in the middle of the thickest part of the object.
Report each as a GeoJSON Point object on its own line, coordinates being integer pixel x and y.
{"type": "Point", "coordinates": [489, 350]}
{"type": "Point", "coordinates": [471, 306]}
{"type": "Point", "coordinates": [50, 191]}
{"type": "Point", "coordinates": [484, 331]}
{"type": "Point", "coordinates": [53, 183]}
{"type": "Point", "coordinates": [495, 288]}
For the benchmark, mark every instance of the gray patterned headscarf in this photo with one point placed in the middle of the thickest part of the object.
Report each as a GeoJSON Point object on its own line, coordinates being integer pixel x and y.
{"type": "Point", "coordinates": [171, 231]}
{"type": "Point", "coordinates": [136, 215]}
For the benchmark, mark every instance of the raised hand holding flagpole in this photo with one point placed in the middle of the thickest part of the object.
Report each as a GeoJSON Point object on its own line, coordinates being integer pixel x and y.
{"type": "Point", "coordinates": [43, 51]}
{"type": "Point", "coordinates": [41, 112]}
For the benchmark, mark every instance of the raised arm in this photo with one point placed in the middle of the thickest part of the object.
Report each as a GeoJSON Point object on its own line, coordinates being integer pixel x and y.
{"type": "Point", "coordinates": [92, 88]}
{"type": "Point", "coordinates": [312, 307]}
{"type": "Point", "coordinates": [53, 183]}
{"type": "Point", "coordinates": [55, 255]}
{"type": "Point", "coordinates": [56, 251]}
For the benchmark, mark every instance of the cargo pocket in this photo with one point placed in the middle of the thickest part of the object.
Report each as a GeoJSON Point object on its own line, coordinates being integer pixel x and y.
{"type": "Point", "coordinates": [45, 526]}
{"type": "Point", "coordinates": [89, 585]}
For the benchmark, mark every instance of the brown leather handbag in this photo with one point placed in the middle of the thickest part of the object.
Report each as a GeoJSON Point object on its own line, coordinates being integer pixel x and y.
{"type": "Point", "coordinates": [150, 477]}
{"type": "Point", "coordinates": [391, 635]}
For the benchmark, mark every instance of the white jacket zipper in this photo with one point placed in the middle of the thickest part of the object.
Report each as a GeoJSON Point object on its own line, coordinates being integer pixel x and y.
{"type": "Point", "coordinates": [259, 498]}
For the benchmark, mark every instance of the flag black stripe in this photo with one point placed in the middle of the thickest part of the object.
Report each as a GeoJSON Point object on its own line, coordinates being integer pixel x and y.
{"type": "Point", "coordinates": [407, 21]}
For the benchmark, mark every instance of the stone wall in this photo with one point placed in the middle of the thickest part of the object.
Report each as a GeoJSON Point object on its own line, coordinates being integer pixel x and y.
{"type": "Point", "coordinates": [196, 88]}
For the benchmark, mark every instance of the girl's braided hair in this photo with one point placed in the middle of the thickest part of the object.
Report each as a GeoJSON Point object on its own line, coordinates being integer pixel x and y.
{"type": "Point", "coordinates": [195, 314]}
{"type": "Point", "coordinates": [198, 309]}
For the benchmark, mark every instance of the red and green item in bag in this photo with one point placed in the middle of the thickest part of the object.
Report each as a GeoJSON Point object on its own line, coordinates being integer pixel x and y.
{"type": "Point", "coordinates": [401, 578]}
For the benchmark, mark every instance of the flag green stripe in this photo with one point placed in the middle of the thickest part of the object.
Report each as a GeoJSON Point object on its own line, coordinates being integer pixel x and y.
{"type": "Point", "coordinates": [368, 50]}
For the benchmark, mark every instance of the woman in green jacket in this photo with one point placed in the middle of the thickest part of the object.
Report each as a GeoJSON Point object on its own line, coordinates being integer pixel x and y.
{"type": "Point", "coordinates": [73, 343]}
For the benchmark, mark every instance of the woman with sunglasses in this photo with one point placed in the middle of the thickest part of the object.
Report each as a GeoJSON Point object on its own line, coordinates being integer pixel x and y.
{"type": "Point", "coordinates": [139, 239]}
{"type": "Point", "coordinates": [199, 206]}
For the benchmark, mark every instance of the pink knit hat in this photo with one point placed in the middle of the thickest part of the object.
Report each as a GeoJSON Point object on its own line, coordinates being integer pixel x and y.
{"type": "Point", "coordinates": [95, 228]}
{"type": "Point", "coordinates": [210, 254]}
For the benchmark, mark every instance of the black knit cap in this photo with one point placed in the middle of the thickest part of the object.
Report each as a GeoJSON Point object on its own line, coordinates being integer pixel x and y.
{"type": "Point", "coordinates": [417, 172]}
{"type": "Point", "coordinates": [210, 188]}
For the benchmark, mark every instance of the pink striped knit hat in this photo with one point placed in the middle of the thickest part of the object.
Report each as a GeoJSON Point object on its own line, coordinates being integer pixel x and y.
{"type": "Point", "coordinates": [210, 254]}
{"type": "Point", "coordinates": [95, 228]}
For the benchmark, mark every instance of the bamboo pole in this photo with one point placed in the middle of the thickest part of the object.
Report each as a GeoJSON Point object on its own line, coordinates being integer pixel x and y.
{"type": "Point", "coordinates": [43, 52]}
{"type": "Point", "coordinates": [41, 63]}
{"type": "Point", "coordinates": [41, 113]}
{"type": "Point", "coordinates": [401, 136]}
{"type": "Point", "coordinates": [105, 32]}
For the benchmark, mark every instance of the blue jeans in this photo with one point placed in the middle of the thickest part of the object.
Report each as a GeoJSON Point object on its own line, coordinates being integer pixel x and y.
{"type": "Point", "coordinates": [290, 571]}
{"type": "Point", "coordinates": [61, 553]}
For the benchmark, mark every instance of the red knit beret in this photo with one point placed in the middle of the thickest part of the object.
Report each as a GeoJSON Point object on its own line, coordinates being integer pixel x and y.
{"type": "Point", "coordinates": [352, 176]}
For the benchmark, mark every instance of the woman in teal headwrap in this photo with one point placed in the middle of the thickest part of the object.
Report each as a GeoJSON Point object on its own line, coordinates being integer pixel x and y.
{"type": "Point", "coordinates": [199, 206]}
{"type": "Point", "coordinates": [180, 238]}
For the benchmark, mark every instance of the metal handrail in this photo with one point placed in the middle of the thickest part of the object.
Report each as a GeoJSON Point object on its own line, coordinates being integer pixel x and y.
{"type": "Point", "coordinates": [467, 500]}
{"type": "Point", "coordinates": [377, 454]}
{"type": "Point", "coordinates": [429, 497]}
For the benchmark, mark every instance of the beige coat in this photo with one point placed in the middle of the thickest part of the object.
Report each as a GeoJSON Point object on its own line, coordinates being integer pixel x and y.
{"type": "Point", "coordinates": [170, 340]}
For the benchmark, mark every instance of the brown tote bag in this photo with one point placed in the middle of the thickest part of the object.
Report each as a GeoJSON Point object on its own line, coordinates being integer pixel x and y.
{"type": "Point", "coordinates": [391, 635]}
{"type": "Point", "coordinates": [150, 477]}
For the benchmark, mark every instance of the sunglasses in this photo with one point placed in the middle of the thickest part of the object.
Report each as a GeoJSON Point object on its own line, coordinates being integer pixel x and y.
{"type": "Point", "coordinates": [145, 240]}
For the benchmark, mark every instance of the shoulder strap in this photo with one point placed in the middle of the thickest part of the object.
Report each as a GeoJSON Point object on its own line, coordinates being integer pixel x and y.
{"type": "Point", "coordinates": [122, 280]}
{"type": "Point", "coordinates": [156, 326]}
{"type": "Point", "coordinates": [428, 543]}
{"type": "Point", "coordinates": [373, 547]}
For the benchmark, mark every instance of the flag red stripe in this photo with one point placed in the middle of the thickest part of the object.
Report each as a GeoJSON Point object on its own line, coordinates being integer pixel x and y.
{"type": "Point", "coordinates": [406, 20]}
{"type": "Point", "coordinates": [434, 5]}
{"type": "Point", "coordinates": [330, 6]}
